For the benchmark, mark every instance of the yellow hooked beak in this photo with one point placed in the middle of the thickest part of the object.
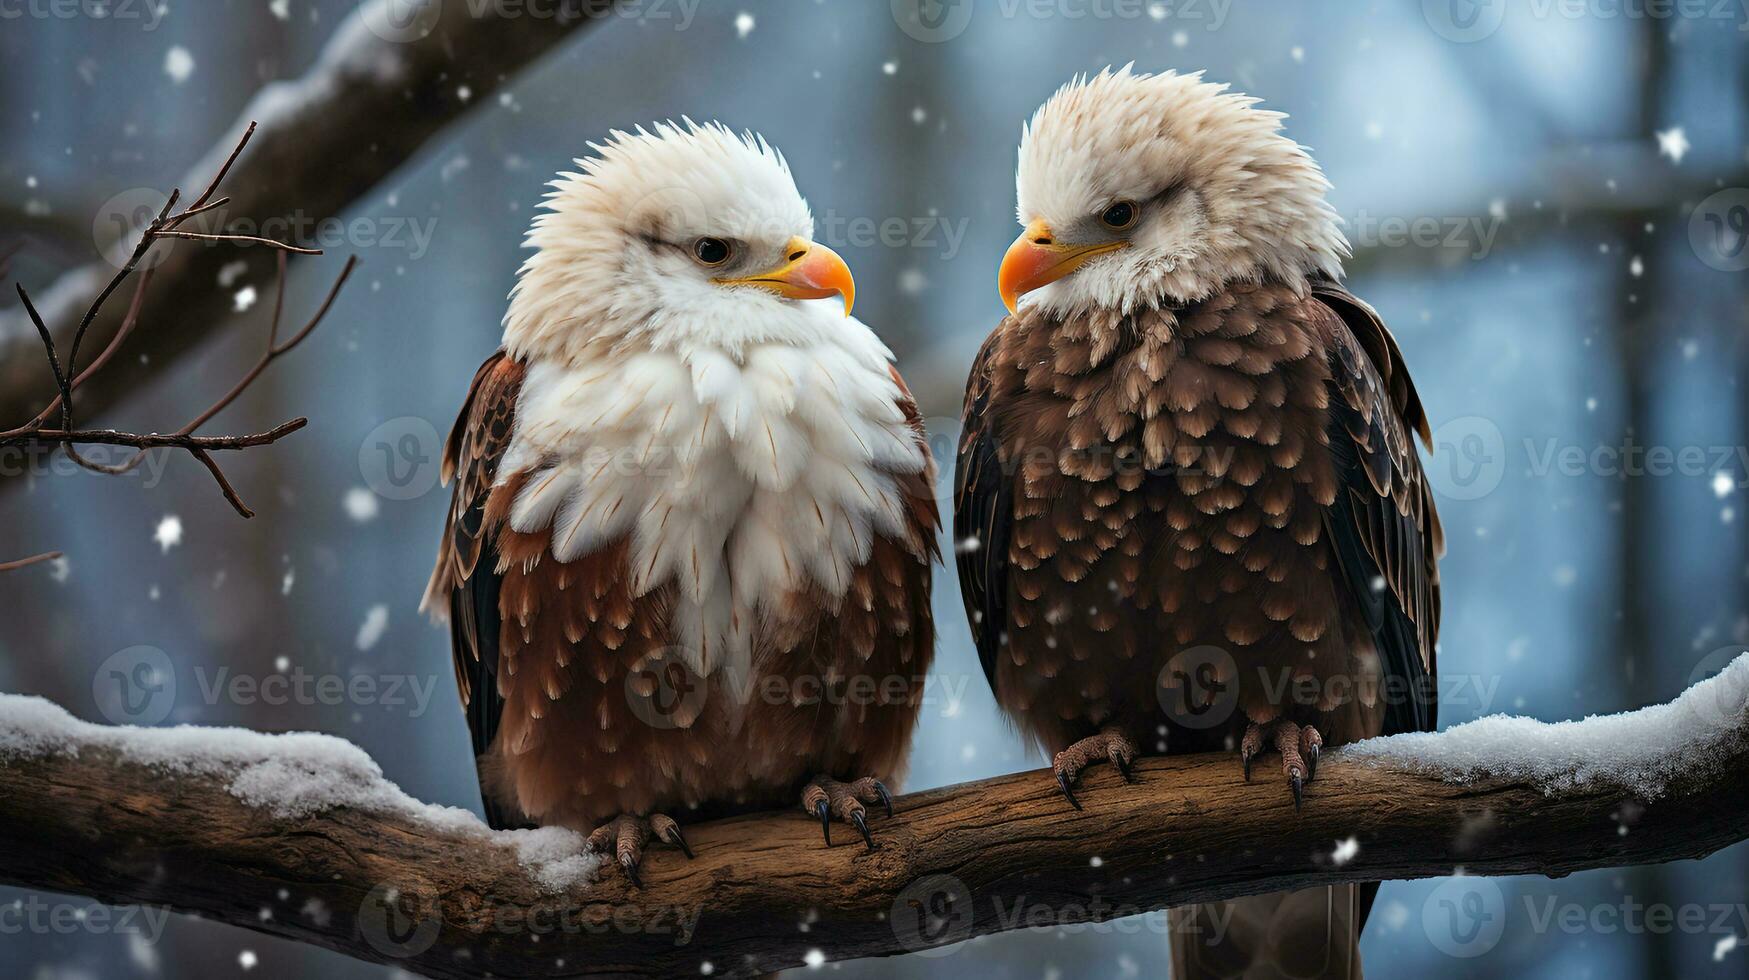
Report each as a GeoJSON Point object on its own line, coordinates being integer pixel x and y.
{"type": "Point", "coordinates": [1036, 259]}
{"type": "Point", "coordinates": [808, 271]}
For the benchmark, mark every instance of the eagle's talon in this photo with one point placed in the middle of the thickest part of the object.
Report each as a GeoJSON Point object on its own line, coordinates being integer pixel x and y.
{"type": "Point", "coordinates": [862, 825]}
{"type": "Point", "coordinates": [886, 797]}
{"type": "Point", "coordinates": [1108, 746]}
{"type": "Point", "coordinates": [827, 798]}
{"type": "Point", "coordinates": [630, 867]}
{"type": "Point", "coordinates": [1063, 784]}
{"type": "Point", "coordinates": [1299, 746]}
{"type": "Point", "coordinates": [825, 812]}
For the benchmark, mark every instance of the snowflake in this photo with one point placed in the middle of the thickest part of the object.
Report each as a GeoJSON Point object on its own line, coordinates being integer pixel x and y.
{"type": "Point", "coordinates": [1345, 851]}
{"type": "Point", "coordinates": [743, 24]}
{"type": "Point", "coordinates": [376, 623]}
{"type": "Point", "coordinates": [360, 504]}
{"type": "Point", "coordinates": [178, 64]}
{"type": "Point", "coordinates": [169, 532]}
{"type": "Point", "coordinates": [1673, 143]}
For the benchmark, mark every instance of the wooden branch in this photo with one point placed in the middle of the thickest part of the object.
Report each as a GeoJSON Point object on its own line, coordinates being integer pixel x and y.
{"type": "Point", "coordinates": [305, 160]}
{"type": "Point", "coordinates": [95, 811]}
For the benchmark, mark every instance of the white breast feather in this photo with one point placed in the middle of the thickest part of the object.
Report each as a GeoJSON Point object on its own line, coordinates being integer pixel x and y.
{"type": "Point", "coordinates": [739, 481]}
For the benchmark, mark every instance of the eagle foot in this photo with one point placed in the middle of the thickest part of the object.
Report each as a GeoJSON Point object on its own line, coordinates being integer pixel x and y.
{"type": "Point", "coordinates": [1299, 745]}
{"type": "Point", "coordinates": [827, 798]}
{"type": "Point", "coordinates": [1108, 746]}
{"type": "Point", "coordinates": [627, 834]}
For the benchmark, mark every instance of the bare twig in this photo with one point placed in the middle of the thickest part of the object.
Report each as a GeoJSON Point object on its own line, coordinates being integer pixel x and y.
{"type": "Point", "coordinates": [11, 566]}
{"type": "Point", "coordinates": [68, 376]}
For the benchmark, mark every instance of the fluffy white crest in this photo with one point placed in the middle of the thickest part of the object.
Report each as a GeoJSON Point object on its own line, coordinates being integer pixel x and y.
{"type": "Point", "coordinates": [612, 263]}
{"type": "Point", "coordinates": [1223, 195]}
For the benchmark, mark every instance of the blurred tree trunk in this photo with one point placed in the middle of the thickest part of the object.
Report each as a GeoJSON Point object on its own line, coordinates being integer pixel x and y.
{"type": "Point", "coordinates": [1637, 334]}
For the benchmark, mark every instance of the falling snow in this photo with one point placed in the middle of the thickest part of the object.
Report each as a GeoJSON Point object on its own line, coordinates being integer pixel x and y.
{"type": "Point", "coordinates": [743, 24]}
{"type": "Point", "coordinates": [178, 64]}
{"type": "Point", "coordinates": [1345, 851]}
{"type": "Point", "coordinates": [1673, 143]}
{"type": "Point", "coordinates": [361, 505]}
{"type": "Point", "coordinates": [376, 622]}
{"type": "Point", "coordinates": [169, 533]}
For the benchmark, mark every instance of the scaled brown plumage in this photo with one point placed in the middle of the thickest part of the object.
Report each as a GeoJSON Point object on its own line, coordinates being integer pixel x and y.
{"type": "Point", "coordinates": [1231, 475]}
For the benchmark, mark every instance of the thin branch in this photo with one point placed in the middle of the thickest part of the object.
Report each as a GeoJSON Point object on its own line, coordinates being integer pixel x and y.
{"type": "Point", "coordinates": [68, 379]}
{"type": "Point", "coordinates": [12, 566]}
{"type": "Point", "coordinates": [198, 236]}
{"type": "Point", "coordinates": [163, 440]}
{"type": "Point", "coordinates": [87, 812]}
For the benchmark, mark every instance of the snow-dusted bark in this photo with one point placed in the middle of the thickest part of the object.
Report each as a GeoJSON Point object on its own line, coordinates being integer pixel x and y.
{"type": "Point", "coordinates": [257, 830]}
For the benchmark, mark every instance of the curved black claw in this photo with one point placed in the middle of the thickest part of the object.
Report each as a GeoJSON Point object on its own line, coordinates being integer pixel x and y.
{"type": "Point", "coordinates": [825, 820]}
{"type": "Point", "coordinates": [1299, 787]}
{"type": "Point", "coordinates": [674, 837]}
{"type": "Point", "coordinates": [862, 825]}
{"type": "Point", "coordinates": [886, 797]}
{"type": "Point", "coordinates": [630, 867]}
{"type": "Point", "coordinates": [1063, 784]}
{"type": "Point", "coordinates": [1247, 760]}
{"type": "Point", "coordinates": [1126, 767]}
{"type": "Point", "coordinates": [1312, 762]}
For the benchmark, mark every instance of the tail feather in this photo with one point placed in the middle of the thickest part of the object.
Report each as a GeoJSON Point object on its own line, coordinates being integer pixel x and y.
{"type": "Point", "coordinates": [1302, 935]}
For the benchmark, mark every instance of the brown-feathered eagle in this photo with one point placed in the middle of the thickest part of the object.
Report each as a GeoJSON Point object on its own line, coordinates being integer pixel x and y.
{"type": "Point", "coordinates": [1190, 514]}
{"type": "Point", "coordinates": [693, 507]}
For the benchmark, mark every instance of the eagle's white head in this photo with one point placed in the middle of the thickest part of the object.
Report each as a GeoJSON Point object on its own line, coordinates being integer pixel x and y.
{"type": "Point", "coordinates": [675, 238]}
{"type": "Point", "coordinates": [1143, 190]}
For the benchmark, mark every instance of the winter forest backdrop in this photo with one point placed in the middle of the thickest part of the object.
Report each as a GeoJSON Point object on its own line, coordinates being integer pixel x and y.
{"type": "Point", "coordinates": [1530, 188]}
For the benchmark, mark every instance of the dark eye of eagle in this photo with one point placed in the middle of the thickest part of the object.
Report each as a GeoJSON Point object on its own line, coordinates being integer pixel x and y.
{"type": "Point", "coordinates": [1120, 215]}
{"type": "Point", "coordinates": [711, 251]}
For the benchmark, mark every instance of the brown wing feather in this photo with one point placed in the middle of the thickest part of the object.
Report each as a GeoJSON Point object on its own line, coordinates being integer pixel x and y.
{"type": "Point", "coordinates": [1384, 523]}
{"type": "Point", "coordinates": [463, 589]}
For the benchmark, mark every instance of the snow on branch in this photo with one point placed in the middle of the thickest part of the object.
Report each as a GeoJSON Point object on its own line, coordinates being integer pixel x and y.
{"type": "Point", "coordinates": [397, 71]}
{"type": "Point", "coordinates": [301, 836]}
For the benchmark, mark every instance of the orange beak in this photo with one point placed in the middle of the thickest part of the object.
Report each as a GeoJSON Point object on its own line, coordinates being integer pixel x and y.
{"type": "Point", "coordinates": [809, 271]}
{"type": "Point", "coordinates": [1036, 258]}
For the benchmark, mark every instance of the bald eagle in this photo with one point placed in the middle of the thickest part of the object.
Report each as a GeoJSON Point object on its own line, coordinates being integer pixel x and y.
{"type": "Point", "coordinates": [691, 495]}
{"type": "Point", "coordinates": [1188, 474]}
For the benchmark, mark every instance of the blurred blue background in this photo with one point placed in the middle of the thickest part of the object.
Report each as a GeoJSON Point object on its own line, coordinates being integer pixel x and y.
{"type": "Point", "coordinates": [1521, 181]}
